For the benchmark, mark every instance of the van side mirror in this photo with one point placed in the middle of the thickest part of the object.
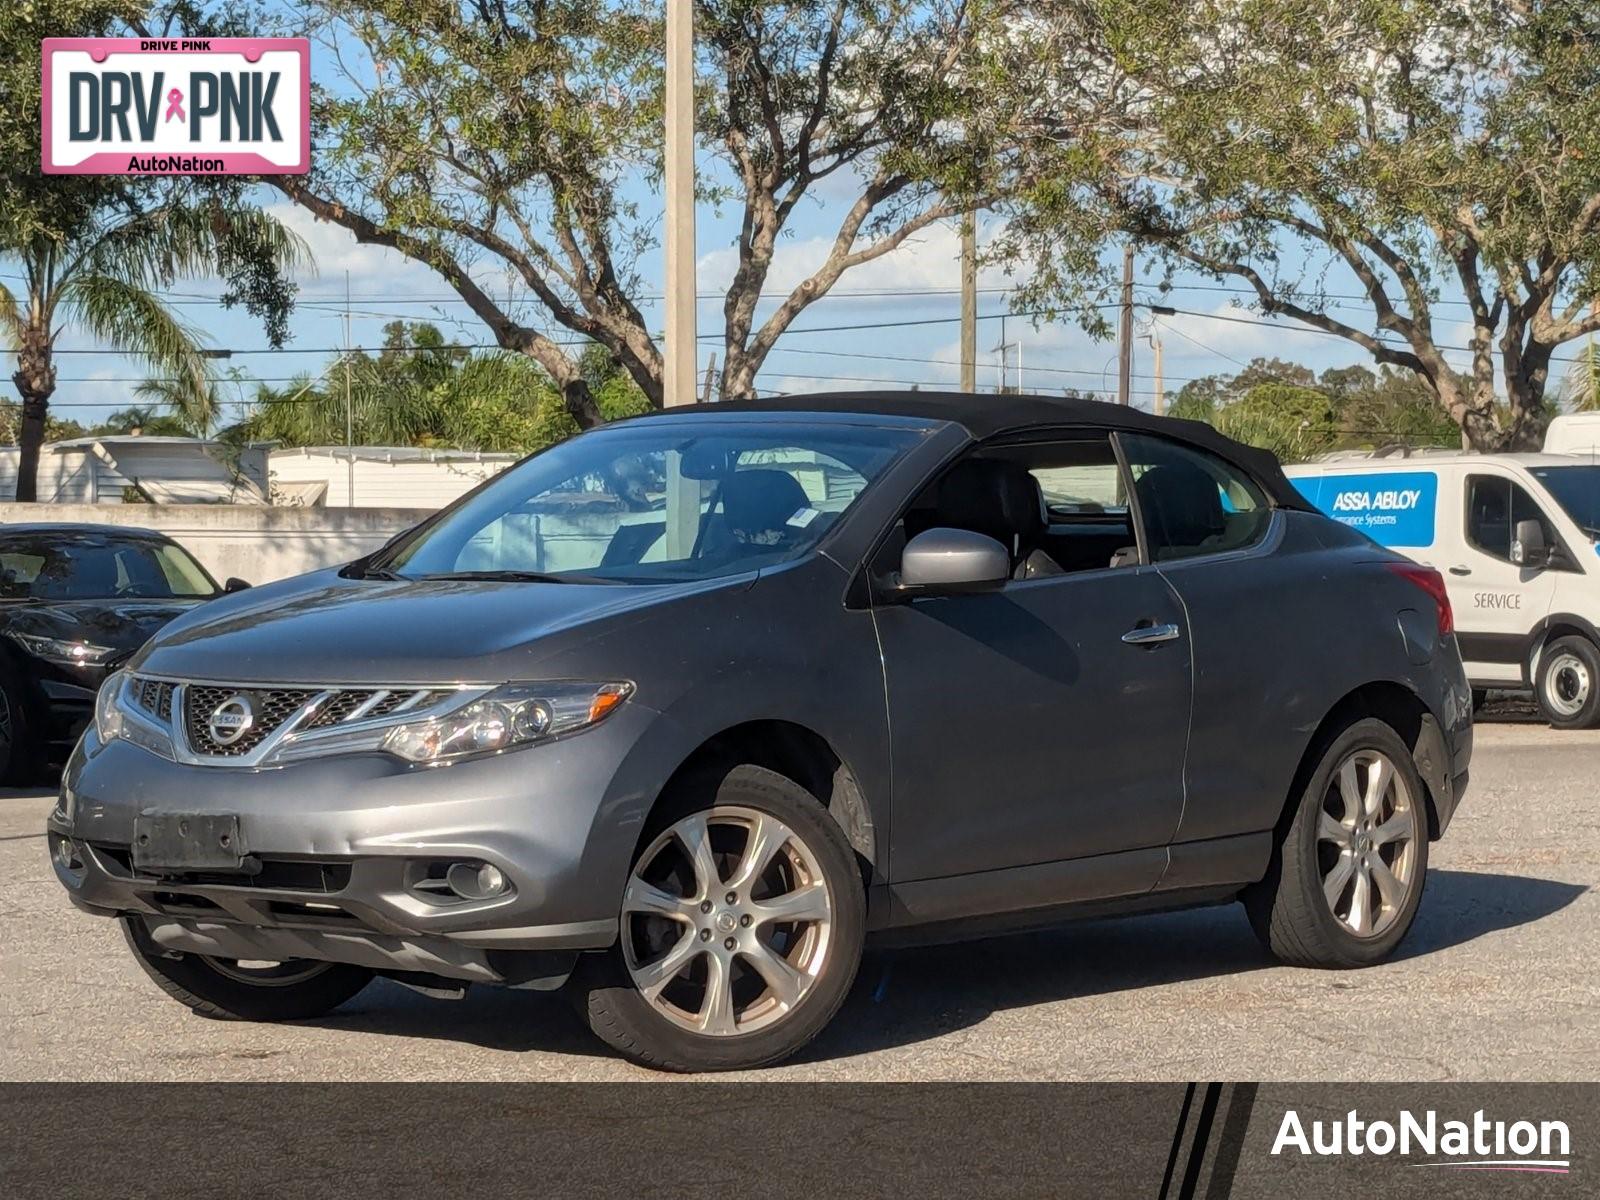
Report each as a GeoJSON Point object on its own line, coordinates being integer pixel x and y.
{"type": "Point", "coordinates": [234, 584]}
{"type": "Point", "coordinates": [1528, 547]}
{"type": "Point", "coordinates": [954, 560]}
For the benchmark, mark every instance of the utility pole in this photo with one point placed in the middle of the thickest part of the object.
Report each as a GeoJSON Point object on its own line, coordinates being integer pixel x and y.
{"type": "Point", "coordinates": [711, 371]}
{"type": "Point", "coordinates": [1125, 331]}
{"type": "Point", "coordinates": [1159, 404]}
{"type": "Point", "coordinates": [349, 417]}
{"type": "Point", "coordinates": [1003, 350]}
{"type": "Point", "coordinates": [969, 303]}
{"type": "Point", "coordinates": [682, 518]}
{"type": "Point", "coordinates": [678, 385]}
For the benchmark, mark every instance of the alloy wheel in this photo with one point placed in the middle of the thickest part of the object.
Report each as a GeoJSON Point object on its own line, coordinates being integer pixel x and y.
{"type": "Point", "coordinates": [1567, 685]}
{"type": "Point", "coordinates": [5, 718]}
{"type": "Point", "coordinates": [726, 922]}
{"type": "Point", "coordinates": [1367, 843]}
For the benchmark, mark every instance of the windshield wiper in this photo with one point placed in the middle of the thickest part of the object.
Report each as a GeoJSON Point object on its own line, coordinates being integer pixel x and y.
{"type": "Point", "coordinates": [510, 577]}
{"type": "Point", "coordinates": [381, 573]}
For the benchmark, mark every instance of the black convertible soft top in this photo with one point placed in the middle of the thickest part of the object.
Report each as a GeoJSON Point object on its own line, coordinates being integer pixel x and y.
{"type": "Point", "coordinates": [984, 415]}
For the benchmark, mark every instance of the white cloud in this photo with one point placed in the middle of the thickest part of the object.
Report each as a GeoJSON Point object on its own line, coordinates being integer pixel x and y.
{"type": "Point", "coordinates": [930, 259]}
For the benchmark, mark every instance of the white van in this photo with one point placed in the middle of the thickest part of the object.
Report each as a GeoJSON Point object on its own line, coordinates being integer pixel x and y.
{"type": "Point", "coordinates": [1515, 538]}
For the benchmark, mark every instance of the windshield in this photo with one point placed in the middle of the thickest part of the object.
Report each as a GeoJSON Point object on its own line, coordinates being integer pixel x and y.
{"type": "Point", "coordinates": [658, 500]}
{"type": "Point", "coordinates": [94, 566]}
{"type": "Point", "coordinates": [1577, 490]}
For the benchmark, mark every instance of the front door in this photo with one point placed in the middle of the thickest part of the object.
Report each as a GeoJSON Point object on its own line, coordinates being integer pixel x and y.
{"type": "Point", "coordinates": [1026, 726]}
{"type": "Point", "coordinates": [1496, 602]}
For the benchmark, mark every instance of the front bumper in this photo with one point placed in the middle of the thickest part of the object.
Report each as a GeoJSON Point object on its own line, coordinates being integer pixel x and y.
{"type": "Point", "coordinates": [343, 842]}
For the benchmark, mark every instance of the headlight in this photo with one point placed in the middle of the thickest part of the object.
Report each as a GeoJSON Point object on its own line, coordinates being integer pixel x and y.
{"type": "Point", "coordinates": [114, 721]}
{"type": "Point", "coordinates": [59, 650]}
{"type": "Point", "coordinates": [517, 714]}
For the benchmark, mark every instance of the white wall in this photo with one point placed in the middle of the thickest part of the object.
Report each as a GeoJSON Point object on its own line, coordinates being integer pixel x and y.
{"type": "Point", "coordinates": [256, 543]}
{"type": "Point", "coordinates": [412, 479]}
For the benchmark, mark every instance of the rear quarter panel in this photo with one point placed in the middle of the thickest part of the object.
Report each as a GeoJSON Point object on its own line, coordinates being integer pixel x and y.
{"type": "Point", "coordinates": [1281, 635]}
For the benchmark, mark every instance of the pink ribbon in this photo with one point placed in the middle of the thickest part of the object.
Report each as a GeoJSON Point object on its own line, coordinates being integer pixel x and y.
{"type": "Point", "coordinates": [175, 105]}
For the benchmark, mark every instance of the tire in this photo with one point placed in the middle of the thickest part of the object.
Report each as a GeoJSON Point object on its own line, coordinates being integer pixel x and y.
{"type": "Point", "coordinates": [19, 748]}
{"type": "Point", "coordinates": [707, 939]}
{"type": "Point", "coordinates": [1568, 684]}
{"type": "Point", "coordinates": [1291, 909]}
{"type": "Point", "coordinates": [298, 990]}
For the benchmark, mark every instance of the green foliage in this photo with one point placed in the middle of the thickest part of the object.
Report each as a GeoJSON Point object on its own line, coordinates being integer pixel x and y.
{"type": "Point", "coordinates": [1293, 422]}
{"type": "Point", "coordinates": [1416, 148]}
{"type": "Point", "coordinates": [1285, 408]}
{"type": "Point", "coordinates": [421, 391]}
{"type": "Point", "coordinates": [55, 429]}
{"type": "Point", "coordinates": [146, 421]}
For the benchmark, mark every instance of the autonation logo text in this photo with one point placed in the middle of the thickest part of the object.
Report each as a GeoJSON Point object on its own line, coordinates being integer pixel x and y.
{"type": "Point", "coordinates": [1475, 1145]}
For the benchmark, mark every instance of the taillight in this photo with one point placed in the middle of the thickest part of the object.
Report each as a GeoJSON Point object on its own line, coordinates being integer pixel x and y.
{"type": "Point", "coordinates": [1431, 582]}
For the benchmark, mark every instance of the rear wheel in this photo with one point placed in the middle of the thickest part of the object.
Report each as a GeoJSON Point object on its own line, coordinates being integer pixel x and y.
{"type": "Point", "coordinates": [1348, 874]}
{"type": "Point", "coordinates": [293, 990]}
{"type": "Point", "coordinates": [1568, 683]}
{"type": "Point", "coordinates": [741, 929]}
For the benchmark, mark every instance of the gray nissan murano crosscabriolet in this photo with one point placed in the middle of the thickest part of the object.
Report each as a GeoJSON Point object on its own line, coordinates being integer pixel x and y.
{"type": "Point", "coordinates": [680, 713]}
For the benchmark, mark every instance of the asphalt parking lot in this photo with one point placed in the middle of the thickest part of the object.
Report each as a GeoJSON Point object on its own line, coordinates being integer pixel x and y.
{"type": "Point", "coordinates": [1497, 981]}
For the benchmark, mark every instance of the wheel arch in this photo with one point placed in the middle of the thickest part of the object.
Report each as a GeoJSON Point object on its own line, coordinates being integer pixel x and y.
{"type": "Point", "coordinates": [1556, 625]}
{"type": "Point", "coordinates": [798, 753]}
{"type": "Point", "coordinates": [1399, 707]}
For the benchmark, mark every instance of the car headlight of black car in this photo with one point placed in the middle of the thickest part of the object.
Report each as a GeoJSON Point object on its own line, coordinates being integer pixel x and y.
{"type": "Point", "coordinates": [64, 651]}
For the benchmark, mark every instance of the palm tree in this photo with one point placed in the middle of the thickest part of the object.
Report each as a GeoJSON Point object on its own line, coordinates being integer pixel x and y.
{"type": "Point", "coordinates": [104, 277]}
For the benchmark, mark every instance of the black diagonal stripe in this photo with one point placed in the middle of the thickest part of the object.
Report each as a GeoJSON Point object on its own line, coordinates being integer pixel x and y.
{"type": "Point", "coordinates": [1177, 1141]}
{"type": "Point", "coordinates": [1202, 1136]}
{"type": "Point", "coordinates": [1241, 1100]}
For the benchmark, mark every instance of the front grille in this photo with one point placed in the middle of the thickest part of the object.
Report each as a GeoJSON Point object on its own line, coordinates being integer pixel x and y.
{"type": "Point", "coordinates": [155, 697]}
{"type": "Point", "coordinates": [271, 707]}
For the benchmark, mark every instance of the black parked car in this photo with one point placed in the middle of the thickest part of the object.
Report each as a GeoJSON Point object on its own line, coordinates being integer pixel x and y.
{"type": "Point", "coordinates": [75, 602]}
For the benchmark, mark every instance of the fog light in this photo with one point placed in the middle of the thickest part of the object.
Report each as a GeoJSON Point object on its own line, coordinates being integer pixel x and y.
{"type": "Point", "coordinates": [479, 881]}
{"type": "Point", "coordinates": [67, 857]}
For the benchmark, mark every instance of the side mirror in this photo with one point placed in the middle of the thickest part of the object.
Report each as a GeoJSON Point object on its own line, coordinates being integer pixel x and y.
{"type": "Point", "coordinates": [1528, 547]}
{"type": "Point", "coordinates": [234, 584]}
{"type": "Point", "coordinates": [954, 560]}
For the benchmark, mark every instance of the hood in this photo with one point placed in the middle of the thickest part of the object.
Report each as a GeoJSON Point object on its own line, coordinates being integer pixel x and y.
{"type": "Point", "coordinates": [121, 624]}
{"type": "Point", "coordinates": [322, 628]}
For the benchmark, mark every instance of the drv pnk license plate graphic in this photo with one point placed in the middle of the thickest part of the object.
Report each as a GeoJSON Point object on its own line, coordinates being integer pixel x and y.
{"type": "Point", "coordinates": [176, 106]}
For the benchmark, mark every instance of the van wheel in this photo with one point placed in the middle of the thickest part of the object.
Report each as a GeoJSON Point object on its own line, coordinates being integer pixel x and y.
{"type": "Point", "coordinates": [1347, 877]}
{"type": "Point", "coordinates": [1568, 686]}
{"type": "Point", "coordinates": [742, 925]}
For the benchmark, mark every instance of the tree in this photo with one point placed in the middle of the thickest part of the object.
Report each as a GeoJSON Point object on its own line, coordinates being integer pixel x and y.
{"type": "Point", "coordinates": [508, 135]}
{"type": "Point", "coordinates": [146, 420]}
{"type": "Point", "coordinates": [1424, 147]}
{"type": "Point", "coordinates": [94, 252]}
{"type": "Point", "coordinates": [420, 391]}
{"type": "Point", "coordinates": [1293, 422]}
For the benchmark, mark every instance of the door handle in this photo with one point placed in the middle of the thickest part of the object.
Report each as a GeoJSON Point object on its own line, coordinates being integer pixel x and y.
{"type": "Point", "coordinates": [1461, 570]}
{"type": "Point", "coordinates": [1151, 635]}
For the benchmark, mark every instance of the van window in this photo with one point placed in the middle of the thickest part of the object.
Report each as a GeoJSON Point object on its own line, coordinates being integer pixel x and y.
{"type": "Point", "coordinates": [1494, 506]}
{"type": "Point", "coordinates": [1191, 502]}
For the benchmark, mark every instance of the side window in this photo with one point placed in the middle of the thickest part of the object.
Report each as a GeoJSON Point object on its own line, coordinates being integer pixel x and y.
{"type": "Point", "coordinates": [1059, 507]}
{"type": "Point", "coordinates": [1191, 502]}
{"type": "Point", "coordinates": [1494, 506]}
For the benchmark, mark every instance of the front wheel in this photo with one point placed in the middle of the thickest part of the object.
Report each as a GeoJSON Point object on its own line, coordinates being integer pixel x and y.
{"type": "Point", "coordinates": [296, 990]}
{"type": "Point", "coordinates": [741, 929]}
{"type": "Point", "coordinates": [1568, 683]}
{"type": "Point", "coordinates": [1347, 875]}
